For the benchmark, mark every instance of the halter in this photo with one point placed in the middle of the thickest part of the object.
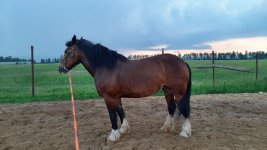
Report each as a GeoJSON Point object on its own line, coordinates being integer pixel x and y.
{"type": "Point", "coordinates": [64, 68]}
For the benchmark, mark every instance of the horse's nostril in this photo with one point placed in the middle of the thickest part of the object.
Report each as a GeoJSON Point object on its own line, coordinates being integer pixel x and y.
{"type": "Point", "coordinates": [63, 69]}
{"type": "Point", "coordinates": [59, 69]}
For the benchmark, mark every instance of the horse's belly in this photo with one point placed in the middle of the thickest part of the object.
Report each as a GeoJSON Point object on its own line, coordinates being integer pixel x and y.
{"type": "Point", "coordinates": [141, 91]}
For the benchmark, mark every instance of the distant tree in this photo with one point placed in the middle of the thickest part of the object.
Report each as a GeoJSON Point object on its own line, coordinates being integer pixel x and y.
{"type": "Point", "coordinates": [129, 57]}
{"type": "Point", "coordinates": [232, 55]}
{"type": "Point", "coordinates": [179, 55]}
{"type": "Point", "coordinates": [208, 56]}
{"type": "Point", "coordinates": [48, 60]}
{"type": "Point", "coordinates": [261, 55]}
{"type": "Point", "coordinates": [241, 56]}
{"type": "Point", "coordinates": [42, 61]}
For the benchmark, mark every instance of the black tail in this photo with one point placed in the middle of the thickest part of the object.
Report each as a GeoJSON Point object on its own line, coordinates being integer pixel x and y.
{"type": "Point", "coordinates": [185, 102]}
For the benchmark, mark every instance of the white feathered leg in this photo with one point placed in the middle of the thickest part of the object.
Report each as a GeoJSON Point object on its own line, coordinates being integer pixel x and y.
{"type": "Point", "coordinates": [186, 128]}
{"type": "Point", "coordinates": [124, 126]}
{"type": "Point", "coordinates": [114, 135]}
{"type": "Point", "coordinates": [169, 124]}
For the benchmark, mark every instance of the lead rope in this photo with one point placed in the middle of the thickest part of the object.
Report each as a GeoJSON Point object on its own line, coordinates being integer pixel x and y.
{"type": "Point", "coordinates": [74, 116]}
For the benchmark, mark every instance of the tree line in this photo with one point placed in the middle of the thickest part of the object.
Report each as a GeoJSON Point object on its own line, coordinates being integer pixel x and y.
{"type": "Point", "coordinates": [21, 60]}
{"type": "Point", "coordinates": [208, 56]}
{"type": "Point", "coordinates": [189, 56]}
{"type": "Point", "coordinates": [49, 60]}
{"type": "Point", "coordinates": [11, 59]}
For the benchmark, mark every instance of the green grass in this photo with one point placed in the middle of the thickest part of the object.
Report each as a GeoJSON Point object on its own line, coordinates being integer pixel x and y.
{"type": "Point", "coordinates": [49, 84]}
{"type": "Point", "coordinates": [229, 81]}
{"type": "Point", "coordinates": [15, 81]}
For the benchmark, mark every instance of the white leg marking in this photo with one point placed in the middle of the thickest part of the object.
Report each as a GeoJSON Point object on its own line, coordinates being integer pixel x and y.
{"type": "Point", "coordinates": [114, 136]}
{"type": "Point", "coordinates": [170, 121]}
{"type": "Point", "coordinates": [176, 114]}
{"type": "Point", "coordinates": [168, 124]}
{"type": "Point", "coordinates": [124, 127]}
{"type": "Point", "coordinates": [186, 129]}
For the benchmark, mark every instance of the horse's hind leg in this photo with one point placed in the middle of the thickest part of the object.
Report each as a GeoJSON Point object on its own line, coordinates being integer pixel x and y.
{"type": "Point", "coordinates": [172, 109]}
{"type": "Point", "coordinates": [182, 101]}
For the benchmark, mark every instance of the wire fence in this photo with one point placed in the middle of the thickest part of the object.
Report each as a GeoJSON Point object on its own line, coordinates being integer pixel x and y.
{"type": "Point", "coordinates": [229, 76]}
{"type": "Point", "coordinates": [222, 76]}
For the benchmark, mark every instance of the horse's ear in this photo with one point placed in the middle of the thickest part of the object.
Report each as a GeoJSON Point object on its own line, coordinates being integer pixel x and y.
{"type": "Point", "coordinates": [73, 41]}
{"type": "Point", "coordinates": [81, 38]}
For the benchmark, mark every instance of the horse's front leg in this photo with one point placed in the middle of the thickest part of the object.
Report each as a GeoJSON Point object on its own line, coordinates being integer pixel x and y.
{"type": "Point", "coordinates": [115, 134]}
{"type": "Point", "coordinates": [114, 107]}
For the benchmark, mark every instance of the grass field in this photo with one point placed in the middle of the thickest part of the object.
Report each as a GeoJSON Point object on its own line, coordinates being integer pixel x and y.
{"type": "Point", "coordinates": [15, 81]}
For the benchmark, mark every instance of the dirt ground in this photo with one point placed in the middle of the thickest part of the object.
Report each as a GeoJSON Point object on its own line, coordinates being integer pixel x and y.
{"type": "Point", "coordinates": [223, 121]}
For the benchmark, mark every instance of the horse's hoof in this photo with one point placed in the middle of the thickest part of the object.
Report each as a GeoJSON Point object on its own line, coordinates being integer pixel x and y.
{"type": "Point", "coordinates": [186, 129]}
{"type": "Point", "coordinates": [165, 129]}
{"type": "Point", "coordinates": [109, 142]}
{"type": "Point", "coordinates": [124, 127]}
{"type": "Point", "coordinates": [114, 136]}
{"type": "Point", "coordinates": [124, 130]}
{"type": "Point", "coordinates": [185, 133]}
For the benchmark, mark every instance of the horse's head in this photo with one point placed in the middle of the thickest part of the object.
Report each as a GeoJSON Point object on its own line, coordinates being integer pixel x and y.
{"type": "Point", "coordinates": [71, 57]}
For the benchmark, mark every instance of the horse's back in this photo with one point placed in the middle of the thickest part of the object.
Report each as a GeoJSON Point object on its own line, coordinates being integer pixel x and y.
{"type": "Point", "coordinates": [165, 65]}
{"type": "Point", "coordinates": [172, 64]}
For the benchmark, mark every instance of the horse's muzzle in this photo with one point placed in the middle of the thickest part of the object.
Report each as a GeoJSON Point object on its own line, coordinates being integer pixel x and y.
{"type": "Point", "coordinates": [63, 69]}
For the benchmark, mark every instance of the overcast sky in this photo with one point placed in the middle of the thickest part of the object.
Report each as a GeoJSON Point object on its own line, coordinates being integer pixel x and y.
{"type": "Point", "coordinates": [125, 25]}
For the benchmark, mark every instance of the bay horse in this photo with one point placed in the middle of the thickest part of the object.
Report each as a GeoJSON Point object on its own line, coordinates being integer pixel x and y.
{"type": "Point", "coordinates": [117, 77]}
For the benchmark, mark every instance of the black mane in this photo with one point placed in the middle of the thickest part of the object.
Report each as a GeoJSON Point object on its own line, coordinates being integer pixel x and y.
{"type": "Point", "coordinates": [98, 55]}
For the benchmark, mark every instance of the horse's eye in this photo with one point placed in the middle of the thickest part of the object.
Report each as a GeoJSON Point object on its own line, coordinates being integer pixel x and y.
{"type": "Point", "coordinates": [65, 51]}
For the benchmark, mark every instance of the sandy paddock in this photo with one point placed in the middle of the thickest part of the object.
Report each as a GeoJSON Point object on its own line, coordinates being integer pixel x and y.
{"type": "Point", "coordinates": [223, 121]}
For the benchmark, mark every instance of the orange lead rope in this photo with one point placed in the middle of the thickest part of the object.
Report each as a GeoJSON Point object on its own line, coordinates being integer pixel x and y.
{"type": "Point", "coordinates": [74, 116]}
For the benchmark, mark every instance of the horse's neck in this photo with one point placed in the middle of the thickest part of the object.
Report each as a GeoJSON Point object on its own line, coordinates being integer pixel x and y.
{"type": "Point", "coordinates": [103, 71]}
{"type": "Point", "coordinates": [98, 71]}
{"type": "Point", "coordinates": [86, 65]}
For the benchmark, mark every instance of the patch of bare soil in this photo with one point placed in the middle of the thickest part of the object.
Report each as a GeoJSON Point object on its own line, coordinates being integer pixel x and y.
{"type": "Point", "coordinates": [223, 121]}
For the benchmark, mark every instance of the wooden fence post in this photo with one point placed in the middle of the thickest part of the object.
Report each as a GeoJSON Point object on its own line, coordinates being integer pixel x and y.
{"type": "Point", "coordinates": [257, 66]}
{"type": "Point", "coordinates": [213, 69]}
{"type": "Point", "coordinates": [32, 62]}
{"type": "Point", "coordinates": [162, 50]}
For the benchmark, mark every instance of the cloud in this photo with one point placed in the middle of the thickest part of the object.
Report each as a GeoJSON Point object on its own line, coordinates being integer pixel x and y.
{"type": "Point", "coordinates": [159, 47]}
{"type": "Point", "coordinates": [120, 24]}
{"type": "Point", "coordinates": [240, 44]}
{"type": "Point", "coordinates": [183, 24]}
